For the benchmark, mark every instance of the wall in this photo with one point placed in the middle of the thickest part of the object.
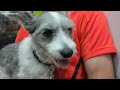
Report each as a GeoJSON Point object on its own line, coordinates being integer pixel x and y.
{"type": "Point", "coordinates": [113, 18]}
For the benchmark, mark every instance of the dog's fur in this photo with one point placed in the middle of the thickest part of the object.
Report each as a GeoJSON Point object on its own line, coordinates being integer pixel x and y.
{"type": "Point", "coordinates": [50, 34]}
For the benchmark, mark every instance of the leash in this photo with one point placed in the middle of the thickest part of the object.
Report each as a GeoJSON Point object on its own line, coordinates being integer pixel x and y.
{"type": "Point", "coordinates": [77, 68]}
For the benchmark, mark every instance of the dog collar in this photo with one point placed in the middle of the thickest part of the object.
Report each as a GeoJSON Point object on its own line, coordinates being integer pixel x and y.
{"type": "Point", "coordinates": [49, 65]}
{"type": "Point", "coordinates": [35, 55]}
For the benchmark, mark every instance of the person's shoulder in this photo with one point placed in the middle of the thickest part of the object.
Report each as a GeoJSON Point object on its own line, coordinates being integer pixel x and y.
{"type": "Point", "coordinates": [87, 14]}
{"type": "Point", "coordinates": [93, 14]}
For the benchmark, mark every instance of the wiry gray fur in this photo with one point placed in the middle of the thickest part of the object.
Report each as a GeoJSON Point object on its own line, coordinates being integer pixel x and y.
{"type": "Point", "coordinates": [17, 60]}
{"type": "Point", "coordinates": [9, 60]}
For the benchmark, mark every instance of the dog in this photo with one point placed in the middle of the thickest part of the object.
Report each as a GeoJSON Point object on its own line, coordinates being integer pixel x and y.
{"type": "Point", "coordinates": [48, 47]}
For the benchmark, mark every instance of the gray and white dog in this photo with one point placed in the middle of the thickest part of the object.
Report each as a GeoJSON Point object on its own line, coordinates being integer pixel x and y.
{"type": "Point", "coordinates": [48, 46]}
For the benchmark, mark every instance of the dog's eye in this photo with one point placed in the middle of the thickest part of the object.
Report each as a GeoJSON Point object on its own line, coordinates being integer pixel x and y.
{"type": "Point", "coordinates": [47, 33]}
{"type": "Point", "coordinates": [69, 31]}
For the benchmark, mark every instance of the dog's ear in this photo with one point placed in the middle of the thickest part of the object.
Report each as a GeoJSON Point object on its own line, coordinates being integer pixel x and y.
{"type": "Point", "coordinates": [26, 17]}
{"type": "Point", "coordinates": [30, 26]}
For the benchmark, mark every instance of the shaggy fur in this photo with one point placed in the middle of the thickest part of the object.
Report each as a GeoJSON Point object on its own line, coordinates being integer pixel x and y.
{"type": "Point", "coordinates": [51, 39]}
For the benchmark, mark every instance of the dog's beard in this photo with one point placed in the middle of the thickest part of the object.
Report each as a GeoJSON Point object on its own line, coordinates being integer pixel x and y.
{"type": "Point", "coordinates": [46, 57]}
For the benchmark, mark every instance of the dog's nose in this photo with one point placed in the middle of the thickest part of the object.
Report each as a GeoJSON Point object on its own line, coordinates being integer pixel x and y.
{"type": "Point", "coordinates": [66, 53]}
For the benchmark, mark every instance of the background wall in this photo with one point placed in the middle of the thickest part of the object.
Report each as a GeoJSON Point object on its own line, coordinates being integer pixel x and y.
{"type": "Point", "coordinates": [113, 18]}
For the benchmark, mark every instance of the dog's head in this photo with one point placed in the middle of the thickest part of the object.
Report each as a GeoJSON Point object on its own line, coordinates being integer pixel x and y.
{"type": "Point", "coordinates": [53, 31]}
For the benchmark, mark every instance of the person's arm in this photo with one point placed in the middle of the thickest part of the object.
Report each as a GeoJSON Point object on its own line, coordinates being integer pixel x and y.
{"type": "Point", "coordinates": [97, 46]}
{"type": "Point", "coordinates": [100, 67]}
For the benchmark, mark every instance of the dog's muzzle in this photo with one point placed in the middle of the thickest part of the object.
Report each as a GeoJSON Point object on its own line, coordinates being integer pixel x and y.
{"type": "Point", "coordinates": [62, 63]}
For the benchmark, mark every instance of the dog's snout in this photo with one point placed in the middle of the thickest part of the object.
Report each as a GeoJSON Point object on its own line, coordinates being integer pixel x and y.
{"type": "Point", "coordinates": [66, 53]}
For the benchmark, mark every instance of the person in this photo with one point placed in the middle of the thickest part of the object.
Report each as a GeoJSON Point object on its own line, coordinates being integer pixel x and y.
{"type": "Point", "coordinates": [94, 44]}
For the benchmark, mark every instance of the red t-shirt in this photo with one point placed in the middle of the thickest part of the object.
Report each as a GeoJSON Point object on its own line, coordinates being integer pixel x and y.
{"type": "Point", "coordinates": [91, 36]}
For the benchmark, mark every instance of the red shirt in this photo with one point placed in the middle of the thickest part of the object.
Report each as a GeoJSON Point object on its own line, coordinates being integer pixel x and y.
{"type": "Point", "coordinates": [91, 36]}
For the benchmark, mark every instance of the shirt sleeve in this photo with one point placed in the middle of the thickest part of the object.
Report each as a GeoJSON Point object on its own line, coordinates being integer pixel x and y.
{"type": "Point", "coordinates": [22, 33]}
{"type": "Point", "coordinates": [94, 36]}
